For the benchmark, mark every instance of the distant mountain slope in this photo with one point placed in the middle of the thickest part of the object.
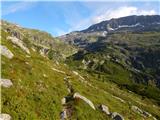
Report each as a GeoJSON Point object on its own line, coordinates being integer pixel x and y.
{"type": "Point", "coordinates": [129, 23]}
{"type": "Point", "coordinates": [127, 54]}
{"type": "Point", "coordinates": [134, 23]}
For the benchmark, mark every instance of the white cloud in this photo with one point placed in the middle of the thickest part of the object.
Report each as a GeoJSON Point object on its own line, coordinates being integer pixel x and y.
{"type": "Point", "coordinates": [121, 12]}
{"type": "Point", "coordinates": [18, 6]}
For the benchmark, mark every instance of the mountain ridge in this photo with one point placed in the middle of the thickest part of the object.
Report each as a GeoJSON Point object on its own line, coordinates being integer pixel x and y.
{"type": "Point", "coordinates": [128, 21]}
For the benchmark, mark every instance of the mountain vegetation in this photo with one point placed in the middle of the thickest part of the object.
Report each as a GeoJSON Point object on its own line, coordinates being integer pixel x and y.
{"type": "Point", "coordinates": [93, 74]}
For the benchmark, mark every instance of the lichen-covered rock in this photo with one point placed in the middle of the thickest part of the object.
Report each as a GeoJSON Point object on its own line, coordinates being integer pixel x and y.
{"type": "Point", "coordinates": [6, 83]}
{"type": "Point", "coordinates": [6, 52]}
{"type": "Point", "coordinates": [105, 109]}
{"type": "Point", "coordinates": [116, 116]}
{"type": "Point", "coordinates": [4, 116]}
{"type": "Point", "coordinates": [77, 95]}
{"type": "Point", "coordinates": [19, 43]}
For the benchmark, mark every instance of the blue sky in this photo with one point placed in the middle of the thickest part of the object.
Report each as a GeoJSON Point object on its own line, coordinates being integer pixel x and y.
{"type": "Point", "coordinates": [62, 17]}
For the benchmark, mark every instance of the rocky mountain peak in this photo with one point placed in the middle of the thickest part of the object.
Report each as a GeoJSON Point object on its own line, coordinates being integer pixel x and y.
{"type": "Point", "coordinates": [130, 22]}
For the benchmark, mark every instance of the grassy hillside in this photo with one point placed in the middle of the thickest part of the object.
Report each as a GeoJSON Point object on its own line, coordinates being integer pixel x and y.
{"type": "Point", "coordinates": [39, 86]}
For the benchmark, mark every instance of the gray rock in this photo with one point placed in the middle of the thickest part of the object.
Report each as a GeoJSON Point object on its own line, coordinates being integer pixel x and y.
{"type": "Point", "coordinates": [6, 52]}
{"type": "Point", "coordinates": [4, 116]}
{"type": "Point", "coordinates": [116, 116]}
{"type": "Point", "coordinates": [105, 109]}
{"type": "Point", "coordinates": [77, 95]}
{"type": "Point", "coordinates": [141, 112]}
{"type": "Point", "coordinates": [63, 115]}
{"type": "Point", "coordinates": [63, 101]}
{"type": "Point", "coordinates": [76, 73]}
{"type": "Point", "coordinates": [120, 99]}
{"type": "Point", "coordinates": [6, 83]}
{"type": "Point", "coordinates": [58, 70]}
{"type": "Point", "coordinates": [19, 43]}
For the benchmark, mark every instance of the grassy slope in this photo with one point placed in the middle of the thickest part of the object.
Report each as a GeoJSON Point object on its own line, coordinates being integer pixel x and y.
{"type": "Point", "coordinates": [35, 97]}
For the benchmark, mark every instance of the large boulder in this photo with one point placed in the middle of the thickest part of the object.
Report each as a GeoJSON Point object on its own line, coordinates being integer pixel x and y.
{"type": "Point", "coordinates": [77, 95]}
{"type": "Point", "coordinates": [116, 116]}
{"type": "Point", "coordinates": [19, 43]}
{"type": "Point", "coordinates": [6, 52]}
{"type": "Point", "coordinates": [105, 109]}
{"type": "Point", "coordinates": [6, 83]}
{"type": "Point", "coordinates": [4, 116]}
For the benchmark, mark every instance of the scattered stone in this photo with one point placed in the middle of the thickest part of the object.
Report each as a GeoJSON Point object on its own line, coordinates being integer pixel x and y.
{"type": "Point", "coordinates": [6, 52]}
{"type": "Point", "coordinates": [81, 77]}
{"type": "Point", "coordinates": [42, 52]}
{"type": "Point", "coordinates": [57, 62]}
{"type": "Point", "coordinates": [4, 116]}
{"type": "Point", "coordinates": [19, 43]}
{"type": "Point", "coordinates": [63, 115]}
{"type": "Point", "coordinates": [6, 83]}
{"type": "Point", "coordinates": [146, 114]}
{"type": "Point", "coordinates": [58, 71]}
{"type": "Point", "coordinates": [120, 99]}
{"type": "Point", "coordinates": [76, 73]}
{"type": "Point", "coordinates": [141, 112]}
{"type": "Point", "coordinates": [28, 56]}
{"type": "Point", "coordinates": [44, 75]}
{"type": "Point", "coordinates": [34, 49]}
{"type": "Point", "coordinates": [116, 116]}
{"type": "Point", "coordinates": [105, 109]}
{"type": "Point", "coordinates": [77, 95]}
{"type": "Point", "coordinates": [63, 101]}
{"type": "Point", "coordinates": [27, 63]}
{"type": "Point", "coordinates": [154, 118]}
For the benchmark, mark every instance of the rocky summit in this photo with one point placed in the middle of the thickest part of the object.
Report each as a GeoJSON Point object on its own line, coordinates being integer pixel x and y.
{"type": "Point", "coordinates": [109, 71]}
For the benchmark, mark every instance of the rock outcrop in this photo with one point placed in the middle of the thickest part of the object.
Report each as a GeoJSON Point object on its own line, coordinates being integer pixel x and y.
{"type": "Point", "coordinates": [105, 109]}
{"type": "Point", "coordinates": [6, 83]}
{"type": "Point", "coordinates": [78, 96]}
{"type": "Point", "coordinates": [6, 52]}
{"type": "Point", "coordinates": [4, 116]}
{"type": "Point", "coordinates": [19, 43]}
